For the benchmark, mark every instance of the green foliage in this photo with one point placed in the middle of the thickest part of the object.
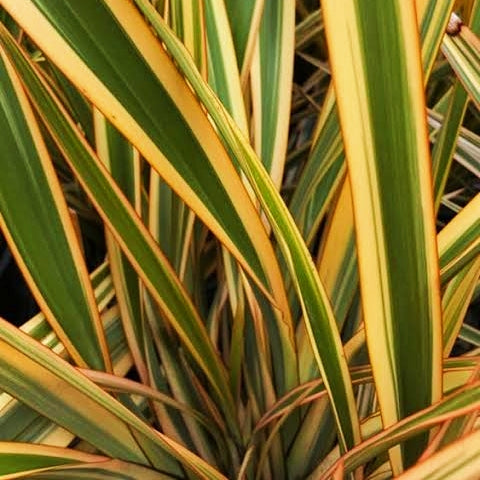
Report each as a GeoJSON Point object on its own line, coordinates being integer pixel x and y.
{"type": "Point", "coordinates": [290, 240]}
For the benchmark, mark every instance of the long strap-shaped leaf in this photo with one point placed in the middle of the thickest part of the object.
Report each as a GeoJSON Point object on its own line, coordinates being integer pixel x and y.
{"type": "Point", "coordinates": [310, 391]}
{"type": "Point", "coordinates": [467, 147]}
{"type": "Point", "coordinates": [322, 172]}
{"type": "Point", "coordinates": [325, 166]}
{"type": "Point", "coordinates": [455, 302]}
{"type": "Point", "coordinates": [316, 182]}
{"type": "Point", "coordinates": [33, 427]}
{"type": "Point", "coordinates": [35, 220]}
{"type": "Point", "coordinates": [272, 80]}
{"type": "Point", "coordinates": [442, 153]}
{"type": "Point", "coordinates": [35, 375]}
{"type": "Point", "coordinates": [375, 58]}
{"type": "Point", "coordinates": [123, 163]}
{"type": "Point", "coordinates": [187, 19]}
{"type": "Point", "coordinates": [129, 232]}
{"type": "Point", "coordinates": [224, 79]}
{"type": "Point", "coordinates": [223, 73]}
{"type": "Point", "coordinates": [152, 105]}
{"type": "Point", "coordinates": [20, 460]}
{"type": "Point", "coordinates": [434, 16]}
{"type": "Point", "coordinates": [323, 169]}
{"type": "Point", "coordinates": [169, 220]}
{"type": "Point", "coordinates": [458, 461]}
{"type": "Point", "coordinates": [317, 311]}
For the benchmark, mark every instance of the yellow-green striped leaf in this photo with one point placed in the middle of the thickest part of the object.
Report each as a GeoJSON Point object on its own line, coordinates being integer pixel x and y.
{"type": "Point", "coordinates": [447, 138]}
{"type": "Point", "coordinates": [434, 17]}
{"type": "Point", "coordinates": [244, 19]}
{"type": "Point", "coordinates": [459, 240]}
{"type": "Point", "coordinates": [187, 19]}
{"type": "Point", "coordinates": [34, 375]}
{"type": "Point", "coordinates": [36, 222]}
{"type": "Point", "coordinates": [458, 461]}
{"type": "Point", "coordinates": [374, 48]}
{"type": "Point", "coordinates": [20, 460]}
{"type": "Point", "coordinates": [463, 53]}
{"type": "Point", "coordinates": [123, 162]}
{"type": "Point", "coordinates": [223, 70]}
{"type": "Point", "coordinates": [462, 402]}
{"type": "Point", "coordinates": [271, 84]}
{"type": "Point", "coordinates": [322, 173]}
{"type": "Point", "coordinates": [456, 300]}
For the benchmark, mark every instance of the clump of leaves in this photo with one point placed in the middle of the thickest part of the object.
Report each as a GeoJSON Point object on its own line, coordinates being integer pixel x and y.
{"type": "Point", "coordinates": [287, 198]}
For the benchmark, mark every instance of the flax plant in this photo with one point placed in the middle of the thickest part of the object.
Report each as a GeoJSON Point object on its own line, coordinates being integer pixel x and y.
{"type": "Point", "coordinates": [287, 195]}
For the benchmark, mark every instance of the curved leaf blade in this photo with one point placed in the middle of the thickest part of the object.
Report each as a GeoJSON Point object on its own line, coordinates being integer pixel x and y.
{"type": "Point", "coordinates": [19, 460]}
{"type": "Point", "coordinates": [34, 375]}
{"type": "Point", "coordinates": [459, 461]}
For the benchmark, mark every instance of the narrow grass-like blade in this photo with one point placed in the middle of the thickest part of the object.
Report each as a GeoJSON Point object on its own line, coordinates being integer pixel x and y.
{"type": "Point", "coordinates": [169, 219]}
{"type": "Point", "coordinates": [271, 85]}
{"type": "Point", "coordinates": [463, 53]}
{"type": "Point", "coordinates": [434, 17]}
{"type": "Point", "coordinates": [443, 150]}
{"type": "Point", "coordinates": [308, 29]}
{"type": "Point", "coordinates": [187, 19]}
{"type": "Point", "coordinates": [322, 173]}
{"type": "Point", "coordinates": [34, 375]}
{"type": "Point", "coordinates": [36, 222]}
{"type": "Point", "coordinates": [224, 79]}
{"type": "Point", "coordinates": [455, 302]}
{"type": "Point", "coordinates": [459, 240]}
{"type": "Point", "coordinates": [244, 19]}
{"type": "Point", "coordinates": [463, 401]}
{"type": "Point", "coordinates": [444, 147]}
{"type": "Point", "coordinates": [118, 384]}
{"type": "Point", "coordinates": [315, 389]}
{"type": "Point", "coordinates": [123, 162]}
{"type": "Point", "coordinates": [470, 335]}
{"type": "Point", "coordinates": [223, 70]}
{"type": "Point", "coordinates": [337, 267]}
{"type": "Point", "coordinates": [467, 149]}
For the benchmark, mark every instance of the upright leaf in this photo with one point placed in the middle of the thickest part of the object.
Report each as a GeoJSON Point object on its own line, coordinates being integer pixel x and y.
{"type": "Point", "coordinates": [271, 82]}
{"type": "Point", "coordinates": [123, 162]}
{"type": "Point", "coordinates": [244, 19]}
{"type": "Point", "coordinates": [35, 220]}
{"type": "Point", "coordinates": [385, 136]}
